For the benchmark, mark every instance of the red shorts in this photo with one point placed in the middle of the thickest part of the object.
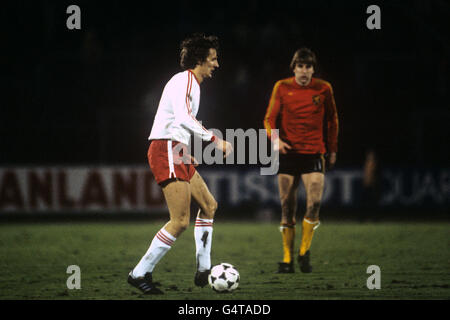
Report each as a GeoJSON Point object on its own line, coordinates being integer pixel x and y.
{"type": "Point", "coordinates": [169, 160]}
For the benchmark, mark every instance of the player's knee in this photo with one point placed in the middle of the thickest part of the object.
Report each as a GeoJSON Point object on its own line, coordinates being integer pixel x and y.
{"type": "Point", "coordinates": [316, 188]}
{"type": "Point", "coordinates": [181, 224]}
{"type": "Point", "coordinates": [211, 208]}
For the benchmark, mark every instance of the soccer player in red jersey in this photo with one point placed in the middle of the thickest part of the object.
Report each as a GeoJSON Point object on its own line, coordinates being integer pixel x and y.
{"type": "Point", "coordinates": [306, 110]}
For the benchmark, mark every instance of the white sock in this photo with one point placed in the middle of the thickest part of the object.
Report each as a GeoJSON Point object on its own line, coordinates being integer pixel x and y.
{"type": "Point", "coordinates": [203, 237]}
{"type": "Point", "coordinates": [162, 242]}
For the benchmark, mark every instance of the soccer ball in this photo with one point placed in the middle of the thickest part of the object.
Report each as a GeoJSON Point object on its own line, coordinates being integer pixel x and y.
{"type": "Point", "coordinates": [224, 278]}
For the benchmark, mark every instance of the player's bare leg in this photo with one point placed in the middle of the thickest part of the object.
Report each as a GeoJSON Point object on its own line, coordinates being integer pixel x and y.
{"type": "Point", "coordinates": [288, 188]}
{"type": "Point", "coordinates": [203, 228]}
{"type": "Point", "coordinates": [178, 198]}
{"type": "Point", "coordinates": [314, 183]}
{"type": "Point", "coordinates": [203, 197]}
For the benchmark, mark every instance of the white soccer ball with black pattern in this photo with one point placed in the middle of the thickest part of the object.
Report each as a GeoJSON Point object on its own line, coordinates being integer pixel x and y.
{"type": "Point", "coordinates": [224, 277]}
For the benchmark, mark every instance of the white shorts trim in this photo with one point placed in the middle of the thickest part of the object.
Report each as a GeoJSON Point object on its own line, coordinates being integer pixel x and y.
{"type": "Point", "coordinates": [170, 157]}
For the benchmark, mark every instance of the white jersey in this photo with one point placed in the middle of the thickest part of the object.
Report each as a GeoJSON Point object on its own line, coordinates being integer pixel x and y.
{"type": "Point", "coordinates": [175, 117]}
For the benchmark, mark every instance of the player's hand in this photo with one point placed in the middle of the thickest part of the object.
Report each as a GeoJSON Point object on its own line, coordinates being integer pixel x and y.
{"type": "Point", "coordinates": [224, 146]}
{"type": "Point", "coordinates": [332, 159]}
{"type": "Point", "coordinates": [281, 146]}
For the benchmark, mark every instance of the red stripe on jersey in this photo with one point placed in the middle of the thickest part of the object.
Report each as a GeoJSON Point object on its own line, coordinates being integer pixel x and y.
{"type": "Point", "coordinates": [188, 102]}
{"type": "Point", "coordinates": [188, 93]}
{"type": "Point", "coordinates": [194, 76]}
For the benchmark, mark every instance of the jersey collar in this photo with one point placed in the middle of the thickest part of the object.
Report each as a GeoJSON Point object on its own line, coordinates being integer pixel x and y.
{"type": "Point", "coordinates": [309, 85]}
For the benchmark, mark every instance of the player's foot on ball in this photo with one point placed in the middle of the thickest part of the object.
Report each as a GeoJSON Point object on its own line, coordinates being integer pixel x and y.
{"type": "Point", "coordinates": [284, 267]}
{"type": "Point", "coordinates": [145, 284]}
{"type": "Point", "coordinates": [201, 278]}
{"type": "Point", "coordinates": [304, 263]}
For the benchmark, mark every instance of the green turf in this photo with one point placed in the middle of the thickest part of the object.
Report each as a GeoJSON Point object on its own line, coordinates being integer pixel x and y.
{"type": "Point", "coordinates": [414, 259]}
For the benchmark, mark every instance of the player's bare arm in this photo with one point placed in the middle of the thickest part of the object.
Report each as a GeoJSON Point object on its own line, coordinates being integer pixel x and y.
{"type": "Point", "coordinates": [332, 157]}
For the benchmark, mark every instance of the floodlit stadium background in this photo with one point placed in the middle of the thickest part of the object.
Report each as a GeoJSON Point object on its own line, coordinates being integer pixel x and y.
{"type": "Point", "coordinates": [77, 105]}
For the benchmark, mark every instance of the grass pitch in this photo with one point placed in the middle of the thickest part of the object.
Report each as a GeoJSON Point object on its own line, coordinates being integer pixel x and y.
{"type": "Point", "coordinates": [414, 259]}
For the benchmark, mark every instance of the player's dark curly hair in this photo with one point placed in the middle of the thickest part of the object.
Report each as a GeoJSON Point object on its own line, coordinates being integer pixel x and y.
{"type": "Point", "coordinates": [303, 55]}
{"type": "Point", "coordinates": [195, 49]}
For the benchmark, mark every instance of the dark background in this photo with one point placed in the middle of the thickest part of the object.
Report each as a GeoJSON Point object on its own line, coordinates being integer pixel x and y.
{"type": "Point", "coordinates": [89, 96]}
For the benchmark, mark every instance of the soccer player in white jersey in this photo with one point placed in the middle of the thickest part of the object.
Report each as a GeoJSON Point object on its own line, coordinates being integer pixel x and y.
{"type": "Point", "coordinates": [174, 122]}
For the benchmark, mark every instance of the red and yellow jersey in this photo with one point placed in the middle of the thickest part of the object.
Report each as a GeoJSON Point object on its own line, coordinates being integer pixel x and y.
{"type": "Point", "coordinates": [303, 111]}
